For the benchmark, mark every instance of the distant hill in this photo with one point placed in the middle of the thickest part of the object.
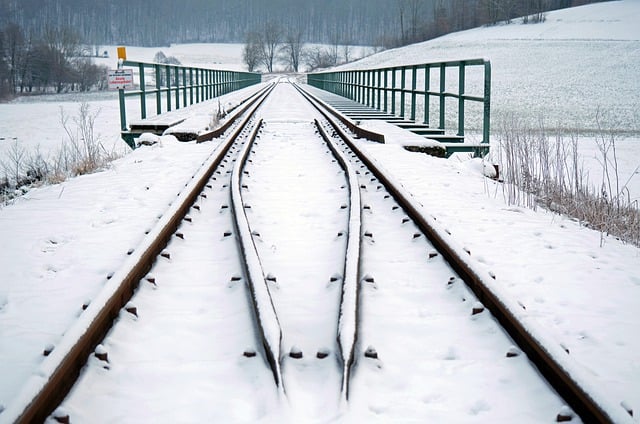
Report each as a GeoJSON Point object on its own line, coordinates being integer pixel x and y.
{"type": "Point", "coordinates": [577, 70]}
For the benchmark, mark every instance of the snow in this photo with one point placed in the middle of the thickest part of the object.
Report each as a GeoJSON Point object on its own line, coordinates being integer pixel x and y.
{"type": "Point", "coordinates": [582, 288]}
{"type": "Point", "coordinates": [348, 320]}
{"type": "Point", "coordinates": [563, 71]}
{"type": "Point", "coordinates": [260, 293]}
{"type": "Point", "coordinates": [396, 135]}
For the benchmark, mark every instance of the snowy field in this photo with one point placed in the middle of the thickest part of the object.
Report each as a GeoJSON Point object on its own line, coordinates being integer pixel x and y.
{"type": "Point", "coordinates": [60, 242]}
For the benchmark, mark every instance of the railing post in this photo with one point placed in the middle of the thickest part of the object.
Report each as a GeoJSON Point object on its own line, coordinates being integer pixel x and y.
{"type": "Point", "coordinates": [184, 86]}
{"type": "Point", "coordinates": [354, 86]}
{"type": "Point", "coordinates": [212, 83]}
{"type": "Point", "coordinates": [143, 92]}
{"type": "Point", "coordinates": [177, 72]}
{"type": "Point", "coordinates": [123, 110]}
{"type": "Point", "coordinates": [386, 90]}
{"type": "Point", "coordinates": [427, 88]}
{"type": "Point", "coordinates": [197, 85]}
{"type": "Point", "coordinates": [191, 84]}
{"type": "Point", "coordinates": [461, 90]}
{"type": "Point", "coordinates": [403, 87]}
{"type": "Point", "coordinates": [393, 91]}
{"type": "Point", "coordinates": [379, 88]}
{"type": "Point", "coordinates": [368, 83]}
{"type": "Point", "coordinates": [168, 90]}
{"type": "Point", "coordinates": [363, 87]}
{"type": "Point", "coordinates": [443, 86]}
{"type": "Point", "coordinates": [414, 74]}
{"type": "Point", "coordinates": [158, 92]}
{"type": "Point", "coordinates": [487, 102]}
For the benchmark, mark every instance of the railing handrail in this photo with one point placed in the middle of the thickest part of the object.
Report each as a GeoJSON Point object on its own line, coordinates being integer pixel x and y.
{"type": "Point", "coordinates": [384, 87]}
{"type": "Point", "coordinates": [180, 86]}
{"type": "Point", "coordinates": [448, 63]}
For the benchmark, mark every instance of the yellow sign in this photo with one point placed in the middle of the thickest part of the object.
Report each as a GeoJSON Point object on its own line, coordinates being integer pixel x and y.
{"type": "Point", "coordinates": [122, 53]}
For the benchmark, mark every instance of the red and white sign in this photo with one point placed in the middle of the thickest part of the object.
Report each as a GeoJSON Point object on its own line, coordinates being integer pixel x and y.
{"type": "Point", "coordinates": [120, 78]}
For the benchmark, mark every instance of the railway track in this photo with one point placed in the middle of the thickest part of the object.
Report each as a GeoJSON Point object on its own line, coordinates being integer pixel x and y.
{"type": "Point", "coordinates": [292, 278]}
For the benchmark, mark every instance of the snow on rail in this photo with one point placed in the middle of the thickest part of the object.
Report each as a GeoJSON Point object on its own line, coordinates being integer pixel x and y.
{"type": "Point", "coordinates": [270, 330]}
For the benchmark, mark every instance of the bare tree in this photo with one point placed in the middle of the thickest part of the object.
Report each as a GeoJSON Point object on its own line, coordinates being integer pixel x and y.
{"type": "Point", "coordinates": [160, 57]}
{"type": "Point", "coordinates": [318, 58]}
{"type": "Point", "coordinates": [13, 46]}
{"type": "Point", "coordinates": [271, 38]}
{"type": "Point", "coordinates": [91, 75]}
{"type": "Point", "coordinates": [346, 52]}
{"type": "Point", "coordinates": [64, 50]}
{"type": "Point", "coordinates": [252, 52]}
{"type": "Point", "coordinates": [292, 48]}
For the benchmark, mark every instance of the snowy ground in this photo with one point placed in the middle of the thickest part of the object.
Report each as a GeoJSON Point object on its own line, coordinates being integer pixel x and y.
{"type": "Point", "coordinates": [60, 242]}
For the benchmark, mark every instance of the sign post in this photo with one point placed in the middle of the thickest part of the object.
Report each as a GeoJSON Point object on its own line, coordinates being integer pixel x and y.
{"type": "Point", "coordinates": [120, 79]}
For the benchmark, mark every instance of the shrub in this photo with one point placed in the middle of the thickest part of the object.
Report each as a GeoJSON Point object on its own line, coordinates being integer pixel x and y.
{"type": "Point", "coordinates": [540, 170]}
{"type": "Point", "coordinates": [81, 153]}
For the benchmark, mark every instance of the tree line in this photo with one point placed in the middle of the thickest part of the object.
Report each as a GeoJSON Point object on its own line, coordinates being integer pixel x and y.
{"type": "Point", "coordinates": [45, 44]}
{"type": "Point", "coordinates": [273, 44]}
{"type": "Point", "coordinates": [55, 61]}
{"type": "Point", "coordinates": [418, 20]}
{"type": "Point", "coordinates": [365, 22]}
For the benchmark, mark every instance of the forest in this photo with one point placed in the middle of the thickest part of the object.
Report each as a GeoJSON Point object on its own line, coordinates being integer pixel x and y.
{"type": "Point", "coordinates": [46, 45]}
{"type": "Point", "coordinates": [365, 22]}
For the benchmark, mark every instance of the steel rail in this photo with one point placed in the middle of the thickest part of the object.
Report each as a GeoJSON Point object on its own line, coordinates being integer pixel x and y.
{"type": "Point", "coordinates": [43, 392]}
{"type": "Point", "coordinates": [270, 329]}
{"type": "Point", "coordinates": [349, 301]}
{"type": "Point", "coordinates": [550, 358]}
{"type": "Point", "coordinates": [241, 109]}
{"type": "Point", "coordinates": [267, 318]}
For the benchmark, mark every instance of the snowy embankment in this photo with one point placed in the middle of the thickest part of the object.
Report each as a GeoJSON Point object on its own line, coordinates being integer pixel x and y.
{"type": "Point", "coordinates": [577, 71]}
{"type": "Point", "coordinates": [60, 242]}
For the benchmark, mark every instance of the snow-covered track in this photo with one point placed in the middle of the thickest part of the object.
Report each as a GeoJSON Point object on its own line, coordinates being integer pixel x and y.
{"type": "Point", "coordinates": [270, 331]}
{"type": "Point", "coordinates": [115, 302]}
{"type": "Point", "coordinates": [340, 316]}
{"type": "Point", "coordinates": [62, 366]}
{"type": "Point", "coordinates": [226, 226]}
{"type": "Point", "coordinates": [349, 301]}
{"type": "Point", "coordinates": [551, 359]}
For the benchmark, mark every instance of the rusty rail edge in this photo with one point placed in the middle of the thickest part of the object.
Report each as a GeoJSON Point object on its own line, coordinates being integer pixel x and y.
{"type": "Point", "coordinates": [239, 110]}
{"type": "Point", "coordinates": [348, 122]}
{"type": "Point", "coordinates": [265, 313]}
{"type": "Point", "coordinates": [553, 362]}
{"type": "Point", "coordinates": [55, 377]}
{"type": "Point", "coordinates": [349, 318]}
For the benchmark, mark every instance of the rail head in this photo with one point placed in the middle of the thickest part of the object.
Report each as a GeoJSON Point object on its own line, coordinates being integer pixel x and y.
{"type": "Point", "coordinates": [265, 312]}
{"type": "Point", "coordinates": [348, 321]}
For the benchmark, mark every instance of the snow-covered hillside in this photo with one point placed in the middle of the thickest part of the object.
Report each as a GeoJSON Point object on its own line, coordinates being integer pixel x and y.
{"type": "Point", "coordinates": [579, 62]}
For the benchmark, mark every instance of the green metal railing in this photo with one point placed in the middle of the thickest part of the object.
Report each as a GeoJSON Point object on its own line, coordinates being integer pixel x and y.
{"type": "Point", "coordinates": [173, 86]}
{"type": "Point", "coordinates": [396, 90]}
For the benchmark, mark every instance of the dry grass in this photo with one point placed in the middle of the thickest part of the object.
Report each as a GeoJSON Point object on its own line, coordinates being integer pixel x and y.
{"type": "Point", "coordinates": [82, 152]}
{"type": "Point", "coordinates": [543, 170]}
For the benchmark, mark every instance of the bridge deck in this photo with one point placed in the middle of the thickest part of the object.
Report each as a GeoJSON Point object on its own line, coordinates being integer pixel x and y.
{"type": "Point", "coordinates": [358, 112]}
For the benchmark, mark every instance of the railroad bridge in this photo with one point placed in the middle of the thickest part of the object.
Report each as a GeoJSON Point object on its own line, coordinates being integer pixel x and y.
{"type": "Point", "coordinates": [435, 101]}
